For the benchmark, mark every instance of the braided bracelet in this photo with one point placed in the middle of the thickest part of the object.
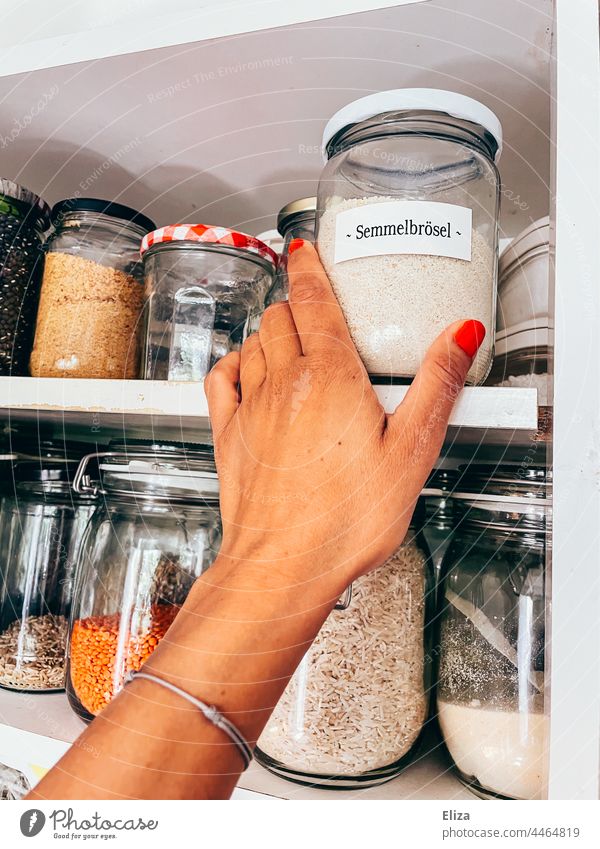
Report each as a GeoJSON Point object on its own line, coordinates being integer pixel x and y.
{"type": "Point", "coordinates": [210, 712]}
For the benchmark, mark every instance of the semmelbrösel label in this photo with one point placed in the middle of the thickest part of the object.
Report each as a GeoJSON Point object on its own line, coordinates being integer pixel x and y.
{"type": "Point", "coordinates": [403, 227]}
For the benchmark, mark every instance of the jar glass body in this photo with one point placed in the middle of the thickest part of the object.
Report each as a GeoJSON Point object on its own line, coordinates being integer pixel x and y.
{"type": "Point", "coordinates": [300, 226]}
{"type": "Point", "coordinates": [88, 322]}
{"type": "Point", "coordinates": [138, 562]}
{"type": "Point", "coordinates": [491, 688]}
{"type": "Point", "coordinates": [41, 528]}
{"type": "Point", "coordinates": [201, 302]}
{"type": "Point", "coordinates": [397, 302]}
{"type": "Point", "coordinates": [21, 265]}
{"type": "Point", "coordinates": [353, 712]}
{"type": "Point", "coordinates": [13, 784]}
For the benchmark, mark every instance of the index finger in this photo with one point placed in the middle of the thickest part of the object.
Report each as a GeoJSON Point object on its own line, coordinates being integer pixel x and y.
{"type": "Point", "coordinates": [317, 314]}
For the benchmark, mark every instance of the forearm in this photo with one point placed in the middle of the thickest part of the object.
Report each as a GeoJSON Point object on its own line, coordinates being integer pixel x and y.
{"type": "Point", "coordinates": [235, 644]}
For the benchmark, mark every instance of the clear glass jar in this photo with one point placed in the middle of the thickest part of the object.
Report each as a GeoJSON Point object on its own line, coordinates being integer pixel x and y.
{"type": "Point", "coordinates": [205, 288]}
{"type": "Point", "coordinates": [296, 220]}
{"type": "Point", "coordinates": [41, 527]}
{"type": "Point", "coordinates": [353, 713]}
{"type": "Point", "coordinates": [407, 224]}
{"type": "Point", "coordinates": [13, 784]}
{"type": "Point", "coordinates": [438, 524]}
{"type": "Point", "coordinates": [23, 219]}
{"type": "Point", "coordinates": [88, 322]}
{"type": "Point", "coordinates": [154, 531]}
{"type": "Point", "coordinates": [491, 694]}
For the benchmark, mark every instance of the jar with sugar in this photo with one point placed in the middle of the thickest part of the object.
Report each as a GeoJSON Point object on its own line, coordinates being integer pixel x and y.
{"type": "Point", "coordinates": [407, 223]}
{"type": "Point", "coordinates": [491, 692]}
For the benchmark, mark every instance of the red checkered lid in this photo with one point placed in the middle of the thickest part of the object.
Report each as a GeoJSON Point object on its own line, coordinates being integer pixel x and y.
{"type": "Point", "coordinates": [209, 234]}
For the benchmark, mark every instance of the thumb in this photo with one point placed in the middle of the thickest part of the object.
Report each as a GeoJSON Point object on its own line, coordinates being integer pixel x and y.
{"type": "Point", "coordinates": [429, 401]}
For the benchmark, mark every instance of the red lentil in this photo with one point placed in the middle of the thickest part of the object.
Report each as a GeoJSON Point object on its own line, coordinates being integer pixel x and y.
{"type": "Point", "coordinates": [93, 653]}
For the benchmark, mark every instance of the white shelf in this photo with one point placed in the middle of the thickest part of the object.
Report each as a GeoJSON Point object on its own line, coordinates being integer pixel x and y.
{"type": "Point", "coordinates": [36, 729]}
{"type": "Point", "coordinates": [184, 404]}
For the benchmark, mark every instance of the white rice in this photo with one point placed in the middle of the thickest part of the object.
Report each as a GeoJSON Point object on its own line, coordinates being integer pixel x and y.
{"type": "Point", "coordinates": [357, 701]}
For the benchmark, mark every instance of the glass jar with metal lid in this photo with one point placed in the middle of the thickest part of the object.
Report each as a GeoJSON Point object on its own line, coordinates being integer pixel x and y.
{"type": "Point", "coordinates": [205, 287]}
{"type": "Point", "coordinates": [353, 712]}
{"type": "Point", "coordinates": [523, 323]}
{"type": "Point", "coordinates": [296, 220]}
{"type": "Point", "coordinates": [41, 527]}
{"type": "Point", "coordinates": [24, 217]}
{"type": "Point", "coordinates": [156, 528]}
{"type": "Point", "coordinates": [407, 224]}
{"type": "Point", "coordinates": [438, 524]}
{"type": "Point", "coordinates": [492, 692]}
{"type": "Point", "coordinates": [88, 323]}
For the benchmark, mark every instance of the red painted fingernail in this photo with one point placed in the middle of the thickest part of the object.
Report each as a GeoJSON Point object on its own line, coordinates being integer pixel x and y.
{"type": "Point", "coordinates": [469, 336]}
{"type": "Point", "coordinates": [294, 245]}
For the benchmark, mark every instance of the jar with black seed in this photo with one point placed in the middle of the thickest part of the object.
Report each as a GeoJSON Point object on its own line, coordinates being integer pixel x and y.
{"type": "Point", "coordinates": [24, 217]}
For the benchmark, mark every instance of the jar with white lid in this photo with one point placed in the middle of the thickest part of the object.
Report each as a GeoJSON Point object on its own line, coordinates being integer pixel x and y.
{"type": "Point", "coordinates": [492, 690]}
{"type": "Point", "coordinates": [523, 324]}
{"type": "Point", "coordinates": [352, 714]}
{"type": "Point", "coordinates": [407, 224]}
{"type": "Point", "coordinates": [205, 288]}
{"type": "Point", "coordinates": [296, 220]}
{"type": "Point", "coordinates": [155, 529]}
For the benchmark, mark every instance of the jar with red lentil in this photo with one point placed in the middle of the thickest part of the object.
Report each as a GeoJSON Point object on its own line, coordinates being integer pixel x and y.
{"type": "Point", "coordinates": [156, 529]}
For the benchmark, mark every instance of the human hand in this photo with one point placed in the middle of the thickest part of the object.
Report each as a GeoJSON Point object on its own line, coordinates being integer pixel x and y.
{"type": "Point", "coordinates": [316, 480]}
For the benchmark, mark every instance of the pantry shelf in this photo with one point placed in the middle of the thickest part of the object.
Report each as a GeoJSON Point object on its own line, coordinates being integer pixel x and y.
{"type": "Point", "coordinates": [36, 729]}
{"type": "Point", "coordinates": [481, 414]}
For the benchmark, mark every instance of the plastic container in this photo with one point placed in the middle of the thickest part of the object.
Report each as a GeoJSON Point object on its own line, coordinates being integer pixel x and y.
{"type": "Point", "coordinates": [491, 694]}
{"type": "Point", "coordinates": [407, 224]}
{"type": "Point", "coordinates": [296, 220]}
{"type": "Point", "coordinates": [92, 295]}
{"type": "Point", "coordinates": [353, 712]}
{"type": "Point", "coordinates": [155, 529]}
{"type": "Point", "coordinates": [41, 527]}
{"type": "Point", "coordinates": [206, 288]}
{"type": "Point", "coordinates": [23, 219]}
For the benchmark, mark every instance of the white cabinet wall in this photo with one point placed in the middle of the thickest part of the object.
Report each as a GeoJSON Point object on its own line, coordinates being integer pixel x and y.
{"type": "Point", "coordinates": [214, 114]}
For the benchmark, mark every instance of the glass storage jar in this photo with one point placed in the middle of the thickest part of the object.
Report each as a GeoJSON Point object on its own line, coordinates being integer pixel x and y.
{"type": "Point", "coordinates": [41, 527]}
{"type": "Point", "coordinates": [523, 356]}
{"type": "Point", "coordinates": [88, 322]}
{"type": "Point", "coordinates": [296, 220]}
{"type": "Point", "coordinates": [154, 531]}
{"type": "Point", "coordinates": [353, 712]}
{"type": "Point", "coordinates": [407, 223]}
{"type": "Point", "coordinates": [23, 219]}
{"type": "Point", "coordinates": [205, 287]}
{"type": "Point", "coordinates": [13, 784]}
{"type": "Point", "coordinates": [438, 524]}
{"type": "Point", "coordinates": [491, 694]}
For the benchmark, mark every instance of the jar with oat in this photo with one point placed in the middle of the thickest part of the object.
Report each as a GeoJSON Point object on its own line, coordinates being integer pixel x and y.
{"type": "Point", "coordinates": [353, 712]}
{"type": "Point", "coordinates": [492, 689]}
{"type": "Point", "coordinates": [41, 526]}
{"type": "Point", "coordinates": [155, 530]}
{"type": "Point", "coordinates": [407, 223]}
{"type": "Point", "coordinates": [92, 294]}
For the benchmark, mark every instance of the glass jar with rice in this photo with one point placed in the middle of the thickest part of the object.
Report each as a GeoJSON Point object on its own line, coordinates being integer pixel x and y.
{"type": "Point", "coordinates": [353, 712]}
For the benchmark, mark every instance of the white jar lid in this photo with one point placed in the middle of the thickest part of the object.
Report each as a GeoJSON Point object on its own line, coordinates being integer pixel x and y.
{"type": "Point", "coordinates": [536, 235]}
{"type": "Point", "coordinates": [428, 99]}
